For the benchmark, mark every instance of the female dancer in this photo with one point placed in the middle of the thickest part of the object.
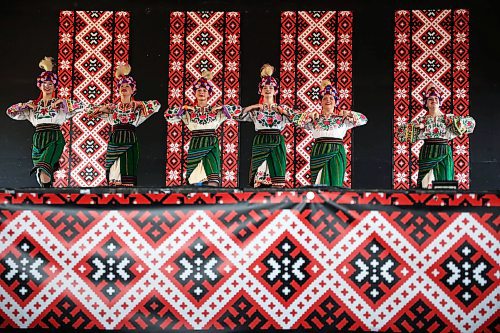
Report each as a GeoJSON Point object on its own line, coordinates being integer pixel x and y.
{"type": "Point", "coordinates": [268, 165]}
{"type": "Point", "coordinates": [435, 161]}
{"type": "Point", "coordinates": [122, 157]}
{"type": "Point", "coordinates": [328, 158]}
{"type": "Point", "coordinates": [47, 113]}
{"type": "Point", "coordinates": [202, 119]}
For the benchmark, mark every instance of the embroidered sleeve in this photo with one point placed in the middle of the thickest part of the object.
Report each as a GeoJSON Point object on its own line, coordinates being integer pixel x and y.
{"type": "Point", "coordinates": [409, 132]}
{"type": "Point", "coordinates": [231, 111]}
{"type": "Point", "coordinates": [358, 119]}
{"type": "Point", "coordinates": [70, 107]}
{"type": "Point", "coordinates": [18, 112]}
{"type": "Point", "coordinates": [401, 132]}
{"type": "Point", "coordinates": [462, 125]}
{"type": "Point", "coordinates": [175, 114]}
{"type": "Point", "coordinates": [302, 120]}
{"type": "Point", "coordinates": [246, 116]}
{"type": "Point", "coordinates": [146, 109]}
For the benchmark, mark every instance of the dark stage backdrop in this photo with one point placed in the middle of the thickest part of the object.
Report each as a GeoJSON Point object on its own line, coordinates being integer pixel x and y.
{"type": "Point", "coordinates": [30, 31]}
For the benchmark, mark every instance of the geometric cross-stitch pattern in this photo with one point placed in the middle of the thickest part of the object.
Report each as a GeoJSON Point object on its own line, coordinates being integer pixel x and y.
{"type": "Point", "coordinates": [374, 271]}
{"type": "Point", "coordinates": [110, 269]}
{"type": "Point", "coordinates": [465, 273]}
{"type": "Point", "coordinates": [303, 260]}
{"type": "Point", "coordinates": [91, 45]}
{"type": "Point", "coordinates": [24, 269]}
{"type": "Point", "coordinates": [429, 46]}
{"type": "Point", "coordinates": [315, 45]}
{"type": "Point", "coordinates": [286, 269]}
{"type": "Point", "coordinates": [198, 41]}
{"type": "Point", "coordinates": [67, 313]}
{"type": "Point", "coordinates": [199, 269]}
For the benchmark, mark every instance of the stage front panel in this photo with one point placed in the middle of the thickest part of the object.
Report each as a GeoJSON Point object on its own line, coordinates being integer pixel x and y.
{"type": "Point", "coordinates": [315, 45]}
{"type": "Point", "coordinates": [430, 46]}
{"type": "Point", "coordinates": [315, 260]}
{"type": "Point", "coordinates": [91, 45]}
{"type": "Point", "coordinates": [199, 41]}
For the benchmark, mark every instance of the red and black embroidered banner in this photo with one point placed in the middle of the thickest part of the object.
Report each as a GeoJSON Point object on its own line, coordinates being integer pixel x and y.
{"type": "Point", "coordinates": [198, 41]}
{"type": "Point", "coordinates": [430, 46]}
{"type": "Point", "coordinates": [315, 45]}
{"type": "Point", "coordinates": [91, 45]}
{"type": "Point", "coordinates": [250, 260]}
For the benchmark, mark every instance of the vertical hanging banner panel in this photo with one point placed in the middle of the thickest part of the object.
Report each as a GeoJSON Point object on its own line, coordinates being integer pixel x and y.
{"type": "Point", "coordinates": [430, 46]}
{"type": "Point", "coordinates": [315, 45]}
{"type": "Point", "coordinates": [91, 45]}
{"type": "Point", "coordinates": [199, 41]}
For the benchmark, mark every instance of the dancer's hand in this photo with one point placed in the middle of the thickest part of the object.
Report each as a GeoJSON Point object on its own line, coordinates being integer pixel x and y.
{"type": "Point", "coordinates": [138, 106]}
{"type": "Point", "coordinates": [55, 105]}
{"type": "Point", "coordinates": [448, 121]}
{"type": "Point", "coordinates": [348, 115]}
{"type": "Point", "coordinates": [28, 105]}
{"type": "Point", "coordinates": [279, 109]}
{"type": "Point", "coordinates": [313, 116]}
{"type": "Point", "coordinates": [107, 108]}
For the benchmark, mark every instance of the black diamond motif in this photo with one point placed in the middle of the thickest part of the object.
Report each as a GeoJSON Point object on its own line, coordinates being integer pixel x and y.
{"type": "Point", "coordinates": [204, 64]}
{"type": "Point", "coordinates": [205, 38]}
{"type": "Point", "coordinates": [93, 38]}
{"type": "Point", "coordinates": [313, 93]}
{"type": "Point", "coordinates": [92, 92]}
{"type": "Point", "coordinates": [198, 269]}
{"type": "Point", "coordinates": [111, 269]}
{"type": "Point", "coordinates": [24, 270]}
{"type": "Point", "coordinates": [432, 65]}
{"type": "Point", "coordinates": [374, 270]}
{"type": "Point", "coordinates": [316, 66]}
{"type": "Point", "coordinates": [92, 65]}
{"type": "Point", "coordinates": [316, 38]}
{"type": "Point", "coordinates": [89, 146]}
{"type": "Point", "coordinates": [286, 268]}
{"type": "Point", "coordinates": [431, 37]}
{"type": "Point", "coordinates": [89, 174]}
{"type": "Point", "coordinates": [467, 274]}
